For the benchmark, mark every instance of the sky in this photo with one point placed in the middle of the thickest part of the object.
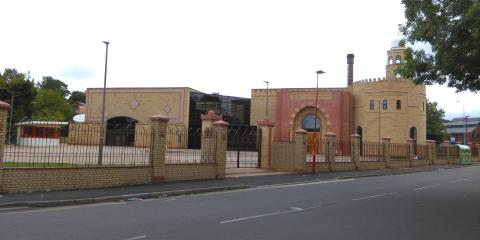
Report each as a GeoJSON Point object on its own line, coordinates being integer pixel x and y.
{"type": "Point", "coordinates": [222, 46]}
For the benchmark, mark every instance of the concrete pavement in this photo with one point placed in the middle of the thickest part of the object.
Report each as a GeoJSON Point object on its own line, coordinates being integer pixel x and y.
{"type": "Point", "coordinates": [56, 198]}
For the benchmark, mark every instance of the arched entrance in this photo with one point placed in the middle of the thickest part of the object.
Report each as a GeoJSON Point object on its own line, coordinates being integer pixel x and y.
{"type": "Point", "coordinates": [120, 131]}
{"type": "Point", "coordinates": [312, 124]}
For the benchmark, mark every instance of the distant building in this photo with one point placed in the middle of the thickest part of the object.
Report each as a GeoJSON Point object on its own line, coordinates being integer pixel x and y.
{"type": "Point", "coordinates": [457, 127]}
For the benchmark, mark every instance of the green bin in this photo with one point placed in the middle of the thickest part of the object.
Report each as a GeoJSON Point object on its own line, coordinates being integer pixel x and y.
{"type": "Point", "coordinates": [464, 154]}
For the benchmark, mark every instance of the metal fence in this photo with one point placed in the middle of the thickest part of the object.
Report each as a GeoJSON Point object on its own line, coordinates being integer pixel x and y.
{"type": "Point", "coordinates": [399, 151]}
{"type": "Point", "coordinates": [243, 146]}
{"type": "Point", "coordinates": [441, 152]}
{"type": "Point", "coordinates": [75, 145]}
{"type": "Point", "coordinates": [320, 149]}
{"type": "Point", "coordinates": [186, 146]}
{"type": "Point", "coordinates": [371, 151]}
{"type": "Point", "coordinates": [422, 152]}
{"type": "Point", "coordinates": [453, 151]}
{"type": "Point", "coordinates": [343, 151]}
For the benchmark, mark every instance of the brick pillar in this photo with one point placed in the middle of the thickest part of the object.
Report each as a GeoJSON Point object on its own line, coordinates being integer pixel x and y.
{"type": "Point", "coordinates": [300, 150]}
{"type": "Point", "coordinates": [446, 146]}
{"type": "Point", "coordinates": [4, 107]}
{"type": "Point", "coordinates": [431, 153]}
{"type": "Point", "coordinates": [220, 129]}
{"type": "Point", "coordinates": [411, 143]}
{"type": "Point", "coordinates": [330, 151]}
{"type": "Point", "coordinates": [386, 150]}
{"type": "Point", "coordinates": [159, 146]}
{"type": "Point", "coordinates": [266, 140]}
{"type": "Point", "coordinates": [355, 149]}
{"type": "Point", "coordinates": [207, 139]}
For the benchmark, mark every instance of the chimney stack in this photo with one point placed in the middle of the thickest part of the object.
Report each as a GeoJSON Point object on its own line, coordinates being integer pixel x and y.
{"type": "Point", "coordinates": [350, 69]}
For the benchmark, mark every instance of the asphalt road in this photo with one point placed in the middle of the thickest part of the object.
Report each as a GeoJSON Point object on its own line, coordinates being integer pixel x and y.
{"type": "Point", "coordinates": [427, 205]}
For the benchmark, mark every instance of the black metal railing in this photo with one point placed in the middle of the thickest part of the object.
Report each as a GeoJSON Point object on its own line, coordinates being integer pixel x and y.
{"type": "Point", "coordinates": [74, 145]}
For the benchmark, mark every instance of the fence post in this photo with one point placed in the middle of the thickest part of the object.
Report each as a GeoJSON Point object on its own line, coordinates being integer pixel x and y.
{"type": "Point", "coordinates": [330, 151]}
{"type": "Point", "coordinates": [410, 142]}
{"type": "Point", "coordinates": [4, 107]}
{"type": "Point", "coordinates": [355, 149]}
{"type": "Point", "coordinates": [266, 142]}
{"type": "Point", "coordinates": [446, 145]}
{"type": "Point", "coordinates": [207, 140]}
{"type": "Point", "coordinates": [300, 150]}
{"type": "Point", "coordinates": [431, 153]}
{"type": "Point", "coordinates": [386, 150]}
{"type": "Point", "coordinates": [159, 146]}
{"type": "Point", "coordinates": [220, 129]}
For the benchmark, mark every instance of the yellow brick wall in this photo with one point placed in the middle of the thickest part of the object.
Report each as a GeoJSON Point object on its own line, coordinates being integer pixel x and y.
{"type": "Point", "coordinates": [139, 103]}
{"type": "Point", "coordinates": [395, 164]}
{"type": "Point", "coordinates": [180, 172]}
{"type": "Point", "coordinates": [42, 179]}
{"type": "Point", "coordinates": [394, 123]}
{"type": "Point", "coordinates": [344, 166]}
{"type": "Point", "coordinates": [258, 101]}
{"type": "Point", "coordinates": [283, 156]}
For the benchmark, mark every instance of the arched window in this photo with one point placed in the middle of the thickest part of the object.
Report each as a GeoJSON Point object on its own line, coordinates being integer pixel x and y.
{"type": "Point", "coordinates": [359, 130]}
{"type": "Point", "coordinates": [390, 60]}
{"type": "Point", "coordinates": [399, 104]}
{"type": "Point", "coordinates": [398, 59]}
{"type": "Point", "coordinates": [398, 75]}
{"type": "Point", "coordinates": [372, 105]}
{"type": "Point", "coordinates": [385, 104]}
{"type": "Point", "coordinates": [309, 123]}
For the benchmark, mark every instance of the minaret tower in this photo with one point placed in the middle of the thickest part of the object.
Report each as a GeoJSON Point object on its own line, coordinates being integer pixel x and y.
{"type": "Point", "coordinates": [396, 56]}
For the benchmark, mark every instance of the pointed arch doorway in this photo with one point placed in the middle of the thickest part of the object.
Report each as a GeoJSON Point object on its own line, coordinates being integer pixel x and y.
{"type": "Point", "coordinates": [312, 124]}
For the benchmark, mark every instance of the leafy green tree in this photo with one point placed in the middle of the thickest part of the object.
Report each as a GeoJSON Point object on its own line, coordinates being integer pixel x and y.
{"type": "Point", "coordinates": [452, 28]}
{"type": "Point", "coordinates": [14, 84]}
{"type": "Point", "coordinates": [77, 96]}
{"type": "Point", "coordinates": [436, 130]}
{"type": "Point", "coordinates": [51, 105]}
{"type": "Point", "coordinates": [51, 83]}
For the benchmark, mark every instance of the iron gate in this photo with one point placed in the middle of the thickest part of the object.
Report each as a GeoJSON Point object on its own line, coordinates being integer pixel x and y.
{"type": "Point", "coordinates": [243, 147]}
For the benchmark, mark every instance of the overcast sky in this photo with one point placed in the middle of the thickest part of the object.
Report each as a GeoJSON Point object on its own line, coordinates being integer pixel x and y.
{"type": "Point", "coordinates": [220, 46]}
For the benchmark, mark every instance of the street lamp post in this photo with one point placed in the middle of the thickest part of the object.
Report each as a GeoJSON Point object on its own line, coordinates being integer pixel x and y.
{"type": "Point", "coordinates": [315, 138]}
{"type": "Point", "coordinates": [378, 146]}
{"type": "Point", "coordinates": [102, 124]}
{"type": "Point", "coordinates": [266, 104]}
{"type": "Point", "coordinates": [465, 132]}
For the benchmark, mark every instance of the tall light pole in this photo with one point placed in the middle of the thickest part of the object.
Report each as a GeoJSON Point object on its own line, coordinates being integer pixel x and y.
{"type": "Point", "coordinates": [266, 104]}
{"type": "Point", "coordinates": [378, 146]}
{"type": "Point", "coordinates": [315, 138]}
{"type": "Point", "coordinates": [465, 132]}
{"type": "Point", "coordinates": [11, 122]}
{"type": "Point", "coordinates": [102, 124]}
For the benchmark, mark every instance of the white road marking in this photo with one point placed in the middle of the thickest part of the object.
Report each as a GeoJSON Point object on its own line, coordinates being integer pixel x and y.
{"type": "Point", "coordinates": [459, 180]}
{"type": "Point", "coordinates": [12, 208]}
{"type": "Point", "coordinates": [62, 208]}
{"type": "Point", "coordinates": [374, 196]}
{"type": "Point", "coordinates": [134, 238]}
{"type": "Point", "coordinates": [300, 184]}
{"type": "Point", "coordinates": [425, 187]}
{"type": "Point", "coordinates": [294, 209]}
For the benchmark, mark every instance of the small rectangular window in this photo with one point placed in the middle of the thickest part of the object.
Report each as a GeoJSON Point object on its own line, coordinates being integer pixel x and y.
{"type": "Point", "coordinates": [372, 105]}
{"type": "Point", "coordinates": [385, 104]}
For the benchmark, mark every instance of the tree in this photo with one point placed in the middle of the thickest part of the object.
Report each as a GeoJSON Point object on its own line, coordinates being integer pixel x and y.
{"type": "Point", "coordinates": [452, 28]}
{"type": "Point", "coordinates": [51, 105]}
{"type": "Point", "coordinates": [77, 96]}
{"type": "Point", "coordinates": [14, 84]}
{"type": "Point", "coordinates": [436, 130]}
{"type": "Point", "coordinates": [51, 83]}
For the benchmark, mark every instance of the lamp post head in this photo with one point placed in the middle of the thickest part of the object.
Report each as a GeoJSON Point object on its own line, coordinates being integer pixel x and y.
{"type": "Point", "coordinates": [267, 82]}
{"type": "Point", "coordinates": [106, 42]}
{"type": "Point", "coordinates": [320, 72]}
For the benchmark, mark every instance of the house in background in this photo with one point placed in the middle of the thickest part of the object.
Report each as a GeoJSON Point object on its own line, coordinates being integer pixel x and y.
{"type": "Point", "coordinates": [457, 127]}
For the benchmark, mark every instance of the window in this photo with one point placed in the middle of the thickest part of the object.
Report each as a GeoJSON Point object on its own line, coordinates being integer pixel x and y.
{"type": "Point", "coordinates": [423, 107]}
{"type": "Point", "coordinates": [398, 59]}
{"type": "Point", "coordinates": [398, 75]}
{"type": "Point", "coordinates": [309, 123]}
{"type": "Point", "coordinates": [390, 61]}
{"type": "Point", "coordinates": [385, 104]}
{"type": "Point", "coordinates": [399, 104]}
{"type": "Point", "coordinates": [27, 131]}
{"type": "Point", "coordinates": [372, 105]}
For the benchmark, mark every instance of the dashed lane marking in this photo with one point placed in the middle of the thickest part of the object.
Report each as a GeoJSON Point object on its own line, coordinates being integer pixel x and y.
{"type": "Point", "coordinates": [374, 196]}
